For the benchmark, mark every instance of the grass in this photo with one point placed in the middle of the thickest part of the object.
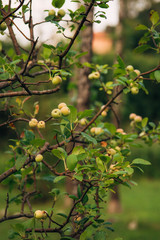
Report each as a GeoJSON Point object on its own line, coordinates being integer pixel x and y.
{"type": "Point", "coordinates": [139, 220]}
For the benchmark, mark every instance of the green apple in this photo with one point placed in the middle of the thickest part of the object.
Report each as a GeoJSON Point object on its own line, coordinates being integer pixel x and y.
{"type": "Point", "coordinates": [98, 130]}
{"type": "Point", "coordinates": [92, 130]}
{"type": "Point", "coordinates": [104, 114]}
{"type": "Point", "coordinates": [61, 13]}
{"type": "Point", "coordinates": [111, 151]}
{"type": "Point", "coordinates": [3, 26]}
{"type": "Point", "coordinates": [56, 80]}
{"type": "Point", "coordinates": [39, 158]}
{"type": "Point", "coordinates": [83, 121]}
{"type": "Point", "coordinates": [56, 113]}
{"type": "Point", "coordinates": [61, 105]}
{"type": "Point", "coordinates": [65, 111]}
{"type": "Point", "coordinates": [137, 72]}
{"type": "Point", "coordinates": [134, 90]}
{"type": "Point", "coordinates": [33, 122]}
{"type": "Point", "coordinates": [51, 12]}
{"type": "Point", "coordinates": [94, 75]}
{"type": "Point", "coordinates": [41, 124]}
{"type": "Point", "coordinates": [40, 214]}
{"type": "Point", "coordinates": [129, 68]}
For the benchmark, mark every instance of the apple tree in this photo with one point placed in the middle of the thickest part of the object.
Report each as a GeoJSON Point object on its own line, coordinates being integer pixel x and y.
{"type": "Point", "coordinates": [98, 157]}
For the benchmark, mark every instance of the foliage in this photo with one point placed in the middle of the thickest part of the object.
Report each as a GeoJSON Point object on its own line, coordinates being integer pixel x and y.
{"type": "Point", "coordinates": [97, 159]}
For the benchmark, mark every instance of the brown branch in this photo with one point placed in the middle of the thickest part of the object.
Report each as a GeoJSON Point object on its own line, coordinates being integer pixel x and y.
{"type": "Point", "coordinates": [9, 14]}
{"type": "Point", "coordinates": [14, 120]}
{"type": "Point", "coordinates": [24, 93]}
{"type": "Point", "coordinates": [16, 216]}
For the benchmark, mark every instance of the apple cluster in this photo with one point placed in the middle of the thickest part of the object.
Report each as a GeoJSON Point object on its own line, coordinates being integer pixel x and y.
{"type": "Point", "coordinates": [135, 119]}
{"type": "Point", "coordinates": [35, 123]}
{"type": "Point", "coordinates": [61, 110]}
{"type": "Point", "coordinates": [96, 130]}
{"type": "Point", "coordinates": [134, 84]}
{"type": "Point", "coordinates": [57, 17]}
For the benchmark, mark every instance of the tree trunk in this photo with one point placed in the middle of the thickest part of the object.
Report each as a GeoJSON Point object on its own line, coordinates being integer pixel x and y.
{"type": "Point", "coordinates": [114, 204]}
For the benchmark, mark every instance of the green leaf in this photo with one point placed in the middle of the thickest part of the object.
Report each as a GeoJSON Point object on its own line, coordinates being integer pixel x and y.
{"type": "Point", "coordinates": [89, 138]}
{"type": "Point", "coordinates": [20, 161]}
{"type": "Point", "coordinates": [72, 162]}
{"type": "Point", "coordinates": [141, 161]}
{"type": "Point", "coordinates": [29, 135]}
{"type": "Point", "coordinates": [141, 48]}
{"type": "Point", "coordinates": [154, 17]}
{"type": "Point", "coordinates": [110, 127]}
{"type": "Point", "coordinates": [144, 122]}
{"type": "Point", "coordinates": [58, 3]}
{"type": "Point", "coordinates": [100, 164]}
{"type": "Point", "coordinates": [141, 27]}
{"type": "Point", "coordinates": [157, 76]}
{"type": "Point", "coordinates": [62, 215]}
{"type": "Point", "coordinates": [59, 153]}
{"type": "Point", "coordinates": [38, 142]}
{"type": "Point", "coordinates": [103, 5]}
{"type": "Point", "coordinates": [67, 238]}
{"type": "Point", "coordinates": [59, 178]}
{"type": "Point", "coordinates": [85, 113]}
{"type": "Point", "coordinates": [78, 177]}
{"type": "Point", "coordinates": [73, 197]}
{"type": "Point", "coordinates": [121, 63]}
{"type": "Point", "coordinates": [73, 114]}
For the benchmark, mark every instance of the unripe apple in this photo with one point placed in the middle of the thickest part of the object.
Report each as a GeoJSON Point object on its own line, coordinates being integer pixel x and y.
{"type": "Point", "coordinates": [51, 12]}
{"type": "Point", "coordinates": [98, 130]}
{"type": "Point", "coordinates": [65, 111]}
{"type": "Point", "coordinates": [132, 116]}
{"type": "Point", "coordinates": [111, 151]}
{"type": "Point", "coordinates": [104, 114]}
{"type": "Point", "coordinates": [61, 13]}
{"type": "Point", "coordinates": [94, 75]}
{"type": "Point", "coordinates": [56, 80]}
{"type": "Point", "coordinates": [118, 148]}
{"type": "Point", "coordinates": [138, 119]}
{"type": "Point", "coordinates": [41, 124]}
{"type": "Point", "coordinates": [129, 68]}
{"type": "Point", "coordinates": [40, 214]}
{"type": "Point", "coordinates": [33, 122]}
{"type": "Point", "coordinates": [109, 92]}
{"type": "Point", "coordinates": [56, 113]}
{"type": "Point", "coordinates": [62, 105]}
{"type": "Point", "coordinates": [83, 121]}
{"type": "Point", "coordinates": [137, 72]}
{"type": "Point", "coordinates": [40, 62]}
{"type": "Point", "coordinates": [120, 130]}
{"type": "Point", "coordinates": [113, 142]}
{"type": "Point", "coordinates": [92, 130]}
{"type": "Point", "coordinates": [134, 90]}
{"type": "Point", "coordinates": [39, 158]}
{"type": "Point", "coordinates": [3, 26]}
